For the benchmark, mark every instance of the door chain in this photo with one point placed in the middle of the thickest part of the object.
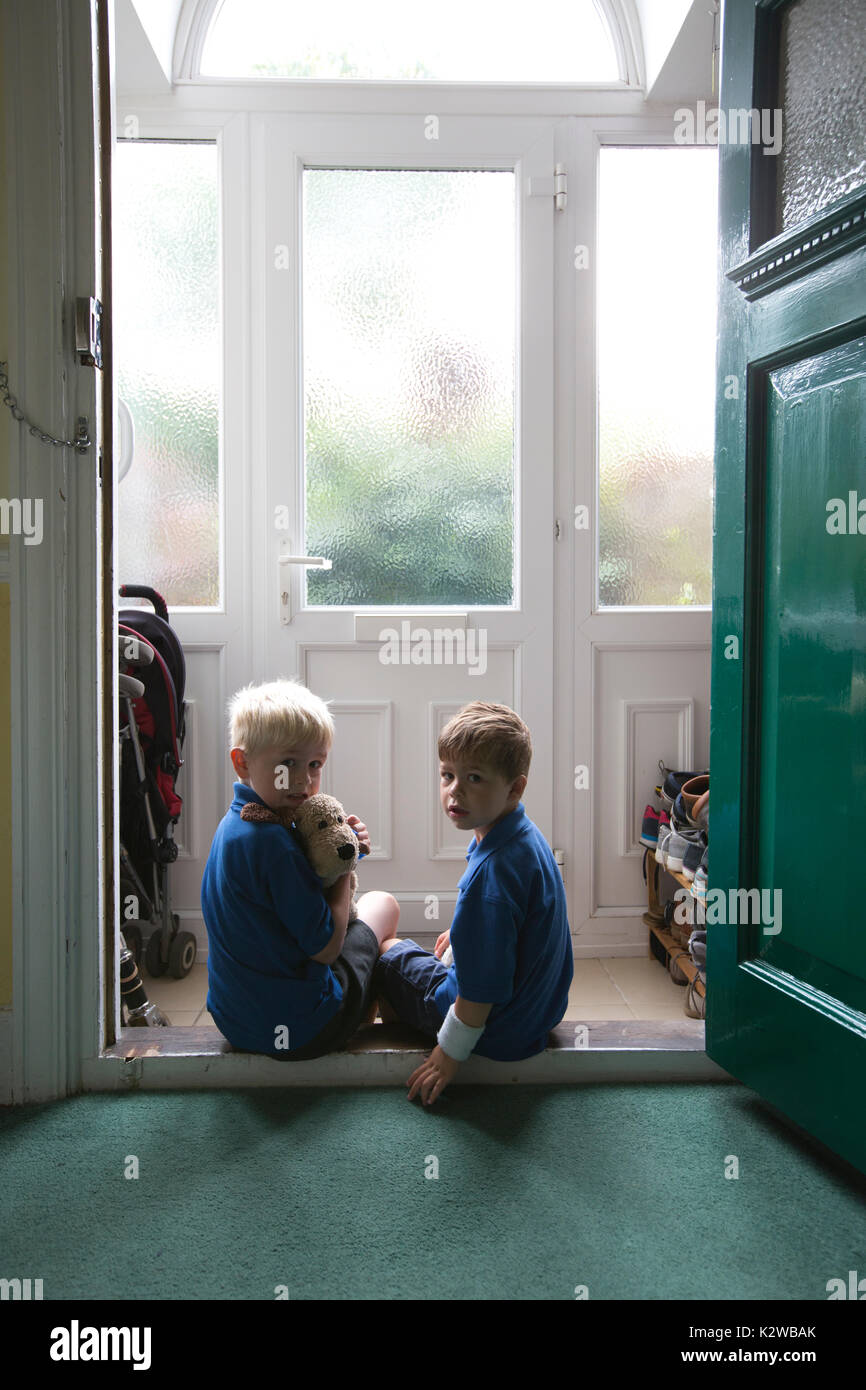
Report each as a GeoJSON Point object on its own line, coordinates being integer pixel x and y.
{"type": "Point", "coordinates": [82, 441]}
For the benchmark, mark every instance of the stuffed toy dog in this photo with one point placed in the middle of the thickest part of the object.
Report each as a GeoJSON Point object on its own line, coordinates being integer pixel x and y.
{"type": "Point", "coordinates": [329, 843]}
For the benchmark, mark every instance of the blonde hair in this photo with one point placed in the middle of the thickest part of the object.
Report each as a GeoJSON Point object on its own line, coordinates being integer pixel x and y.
{"type": "Point", "coordinates": [492, 734]}
{"type": "Point", "coordinates": [262, 716]}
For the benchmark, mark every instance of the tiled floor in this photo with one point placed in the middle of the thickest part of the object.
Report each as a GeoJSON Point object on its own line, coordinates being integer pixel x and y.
{"type": "Point", "coordinates": [613, 987]}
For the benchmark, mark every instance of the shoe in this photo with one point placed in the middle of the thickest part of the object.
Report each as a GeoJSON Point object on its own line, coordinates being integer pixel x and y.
{"type": "Point", "coordinates": [693, 790]}
{"type": "Point", "coordinates": [699, 886]}
{"type": "Point", "coordinates": [678, 976]}
{"type": "Point", "coordinates": [693, 857]}
{"type": "Point", "coordinates": [680, 931]}
{"type": "Point", "coordinates": [665, 832]}
{"type": "Point", "coordinates": [679, 815]}
{"type": "Point", "coordinates": [700, 815]}
{"type": "Point", "coordinates": [672, 783]}
{"type": "Point", "coordinates": [698, 950]}
{"type": "Point", "coordinates": [675, 849]}
{"type": "Point", "coordinates": [695, 1005]}
{"type": "Point", "coordinates": [649, 834]}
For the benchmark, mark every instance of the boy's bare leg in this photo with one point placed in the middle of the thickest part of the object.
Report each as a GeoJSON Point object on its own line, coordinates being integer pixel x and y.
{"type": "Point", "coordinates": [381, 912]}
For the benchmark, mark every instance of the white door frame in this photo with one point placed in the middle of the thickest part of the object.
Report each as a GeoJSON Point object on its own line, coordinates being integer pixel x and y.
{"type": "Point", "coordinates": [583, 631]}
{"type": "Point", "coordinates": [61, 902]}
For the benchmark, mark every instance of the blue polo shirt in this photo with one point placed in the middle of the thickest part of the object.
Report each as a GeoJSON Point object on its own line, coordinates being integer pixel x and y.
{"type": "Point", "coordinates": [511, 940]}
{"type": "Point", "coordinates": [266, 915]}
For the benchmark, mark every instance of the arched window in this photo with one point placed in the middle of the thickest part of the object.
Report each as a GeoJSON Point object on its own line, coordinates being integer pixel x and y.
{"type": "Point", "coordinates": [386, 40]}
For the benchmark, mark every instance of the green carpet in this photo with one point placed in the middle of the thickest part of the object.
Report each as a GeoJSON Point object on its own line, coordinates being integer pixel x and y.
{"type": "Point", "coordinates": [618, 1187]}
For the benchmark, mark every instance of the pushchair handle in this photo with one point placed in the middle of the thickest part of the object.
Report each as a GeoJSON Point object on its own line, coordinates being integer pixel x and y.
{"type": "Point", "coordinates": [142, 591]}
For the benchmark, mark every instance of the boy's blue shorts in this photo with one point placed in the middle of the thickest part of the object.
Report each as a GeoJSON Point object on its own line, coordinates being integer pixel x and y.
{"type": "Point", "coordinates": [354, 968]}
{"type": "Point", "coordinates": [407, 977]}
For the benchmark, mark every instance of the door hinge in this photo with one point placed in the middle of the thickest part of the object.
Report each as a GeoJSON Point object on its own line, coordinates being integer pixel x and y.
{"type": "Point", "coordinates": [560, 187]}
{"type": "Point", "coordinates": [557, 187]}
{"type": "Point", "coordinates": [559, 856]}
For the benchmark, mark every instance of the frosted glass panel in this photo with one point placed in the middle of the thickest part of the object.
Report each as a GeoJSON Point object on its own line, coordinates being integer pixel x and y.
{"type": "Point", "coordinates": [449, 41]}
{"type": "Point", "coordinates": [408, 350]}
{"type": "Point", "coordinates": [822, 93]}
{"type": "Point", "coordinates": [657, 247]}
{"type": "Point", "coordinates": [166, 343]}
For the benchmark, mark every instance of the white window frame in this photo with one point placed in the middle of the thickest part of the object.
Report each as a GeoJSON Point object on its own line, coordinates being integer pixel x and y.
{"type": "Point", "coordinates": [657, 133]}
{"type": "Point", "coordinates": [620, 18]}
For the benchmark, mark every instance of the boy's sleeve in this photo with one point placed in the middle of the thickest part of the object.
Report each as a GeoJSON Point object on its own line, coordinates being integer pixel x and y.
{"type": "Point", "coordinates": [485, 946]}
{"type": "Point", "coordinates": [299, 901]}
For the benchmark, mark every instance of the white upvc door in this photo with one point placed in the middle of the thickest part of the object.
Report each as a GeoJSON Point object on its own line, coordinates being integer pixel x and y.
{"type": "Point", "coordinates": [608, 690]}
{"type": "Point", "coordinates": [389, 701]}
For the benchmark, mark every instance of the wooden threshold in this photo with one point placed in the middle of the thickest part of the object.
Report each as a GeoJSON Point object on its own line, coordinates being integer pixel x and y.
{"type": "Point", "coordinates": [678, 1035]}
{"type": "Point", "coordinates": [609, 1052]}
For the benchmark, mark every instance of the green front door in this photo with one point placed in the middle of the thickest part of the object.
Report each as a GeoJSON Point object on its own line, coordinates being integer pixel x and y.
{"type": "Point", "coordinates": [786, 912]}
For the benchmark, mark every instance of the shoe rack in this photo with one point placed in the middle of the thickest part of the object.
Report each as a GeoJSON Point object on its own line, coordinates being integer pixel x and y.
{"type": "Point", "coordinates": [676, 953]}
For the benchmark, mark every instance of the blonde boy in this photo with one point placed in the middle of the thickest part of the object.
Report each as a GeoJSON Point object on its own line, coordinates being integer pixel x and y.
{"type": "Point", "coordinates": [287, 975]}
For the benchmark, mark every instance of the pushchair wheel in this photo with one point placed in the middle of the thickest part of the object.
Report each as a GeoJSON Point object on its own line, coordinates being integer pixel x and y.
{"type": "Point", "coordinates": [133, 938]}
{"type": "Point", "coordinates": [156, 966]}
{"type": "Point", "coordinates": [181, 956]}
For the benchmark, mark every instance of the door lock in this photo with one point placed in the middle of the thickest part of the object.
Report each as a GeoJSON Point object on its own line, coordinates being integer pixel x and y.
{"type": "Point", "coordinates": [88, 332]}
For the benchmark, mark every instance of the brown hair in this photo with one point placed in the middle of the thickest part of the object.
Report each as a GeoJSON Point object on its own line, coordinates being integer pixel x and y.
{"type": "Point", "coordinates": [492, 734]}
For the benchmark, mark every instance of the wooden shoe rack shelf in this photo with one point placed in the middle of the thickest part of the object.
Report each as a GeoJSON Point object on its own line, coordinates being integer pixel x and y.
{"type": "Point", "coordinates": [655, 920]}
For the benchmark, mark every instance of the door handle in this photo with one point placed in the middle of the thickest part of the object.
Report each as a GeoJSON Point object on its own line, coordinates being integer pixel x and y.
{"type": "Point", "coordinates": [285, 593]}
{"type": "Point", "coordinates": [305, 560]}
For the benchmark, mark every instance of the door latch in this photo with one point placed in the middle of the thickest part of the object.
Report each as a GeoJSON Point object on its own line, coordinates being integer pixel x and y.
{"type": "Point", "coordinates": [88, 332]}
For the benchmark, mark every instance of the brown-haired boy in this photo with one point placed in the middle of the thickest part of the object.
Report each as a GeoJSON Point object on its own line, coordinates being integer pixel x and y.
{"type": "Point", "coordinates": [512, 955]}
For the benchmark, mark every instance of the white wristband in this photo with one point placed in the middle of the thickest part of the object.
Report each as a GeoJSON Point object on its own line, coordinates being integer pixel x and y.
{"type": "Point", "coordinates": [457, 1039]}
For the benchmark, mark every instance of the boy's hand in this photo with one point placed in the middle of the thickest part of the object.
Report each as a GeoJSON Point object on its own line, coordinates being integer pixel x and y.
{"type": "Point", "coordinates": [362, 833]}
{"type": "Point", "coordinates": [433, 1075]}
{"type": "Point", "coordinates": [443, 941]}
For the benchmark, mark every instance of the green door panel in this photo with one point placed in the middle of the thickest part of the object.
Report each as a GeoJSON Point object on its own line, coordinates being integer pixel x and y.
{"type": "Point", "coordinates": [786, 966]}
{"type": "Point", "coordinates": [812, 714]}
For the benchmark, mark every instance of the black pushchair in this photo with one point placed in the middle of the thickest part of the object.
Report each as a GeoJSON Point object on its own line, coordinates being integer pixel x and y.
{"type": "Point", "coordinates": [152, 731]}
